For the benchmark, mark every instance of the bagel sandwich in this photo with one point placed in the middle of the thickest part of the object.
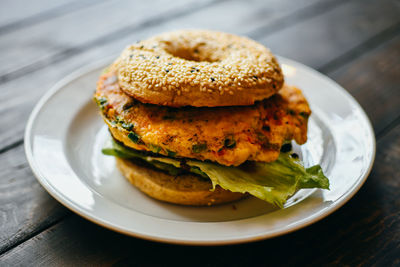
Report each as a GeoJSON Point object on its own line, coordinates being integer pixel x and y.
{"type": "Point", "coordinates": [201, 118]}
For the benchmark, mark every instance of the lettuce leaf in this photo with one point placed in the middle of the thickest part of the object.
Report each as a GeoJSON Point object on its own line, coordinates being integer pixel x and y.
{"type": "Point", "coordinates": [273, 182]}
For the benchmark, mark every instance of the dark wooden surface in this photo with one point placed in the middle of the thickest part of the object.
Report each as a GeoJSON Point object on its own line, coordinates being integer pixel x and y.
{"type": "Point", "coordinates": [356, 43]}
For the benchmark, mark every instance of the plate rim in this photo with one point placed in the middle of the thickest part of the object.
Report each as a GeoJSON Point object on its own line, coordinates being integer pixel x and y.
{"type": "Point", "coordinates": [112, 226]}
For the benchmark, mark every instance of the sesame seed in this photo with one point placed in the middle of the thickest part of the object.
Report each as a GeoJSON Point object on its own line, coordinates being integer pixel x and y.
{"type": "Point", "coordinates": [237, 64]}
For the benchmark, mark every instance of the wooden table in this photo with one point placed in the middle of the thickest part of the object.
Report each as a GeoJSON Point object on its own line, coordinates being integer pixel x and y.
{"type": "Point", "coordinates": [356, 43]}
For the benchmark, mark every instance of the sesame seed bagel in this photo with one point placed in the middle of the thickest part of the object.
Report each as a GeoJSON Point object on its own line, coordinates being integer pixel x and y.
{"type": "Point", "coordinates": [198, 68]}
{"type": "Point", "coordinates": [185, 189]}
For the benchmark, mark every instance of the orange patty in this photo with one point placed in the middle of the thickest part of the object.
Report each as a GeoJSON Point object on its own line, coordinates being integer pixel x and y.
{"type": "Point", "coordinates": [227, 135]}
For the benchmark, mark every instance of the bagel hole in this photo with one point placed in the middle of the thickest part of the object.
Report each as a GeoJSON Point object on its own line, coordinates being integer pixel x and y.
{"type": "Point", "coordinates": [197, 53]}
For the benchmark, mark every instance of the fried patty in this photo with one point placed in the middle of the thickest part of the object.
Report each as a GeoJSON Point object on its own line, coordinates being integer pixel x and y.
{"type": "Point", "coordinates": [227, 135]}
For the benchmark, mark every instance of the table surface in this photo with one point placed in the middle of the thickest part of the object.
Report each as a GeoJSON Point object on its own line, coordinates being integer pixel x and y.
{"type": "Point", "coordinates": [356, 43]}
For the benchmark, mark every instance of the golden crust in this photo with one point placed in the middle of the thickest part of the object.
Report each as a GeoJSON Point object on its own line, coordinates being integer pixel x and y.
{"type": "Point", "coordinates": [227, 135]}
{"type": "Point", "coordinates": [184, 189]}
{"type": "Point", "coordinates": [198, 68]}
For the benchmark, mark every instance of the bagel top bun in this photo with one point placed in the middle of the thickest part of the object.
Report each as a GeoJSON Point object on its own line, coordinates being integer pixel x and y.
{"type": "Point", "coordinates": [198, 68]}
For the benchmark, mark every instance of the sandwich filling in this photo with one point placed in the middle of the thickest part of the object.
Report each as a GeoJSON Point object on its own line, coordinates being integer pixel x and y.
{"type": "Point", "coordinates": [242, 149]}
{"type": "Point", "coordinates": [273, 182]}
{"type": "Point", "coordinates": [226, 135]}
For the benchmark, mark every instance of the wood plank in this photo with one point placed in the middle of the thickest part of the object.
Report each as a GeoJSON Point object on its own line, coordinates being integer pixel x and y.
{"type": "Point", "coordinates": [366, 230]}
{"type": "Point", "coordinates": [25, 91]}
{"type": "Point", "coordinates": [25, 207]}
{"type": "Point", "coordinates": [246, 16]}
{"type": "Point", "coordinates": [19, 13]}
{"type": "Point", "coordinates": [374, 81]}
{"type": "Point", "coordinates": [369, 224]}
{"type": "Point", "coordinates": [42, 41]}
{"type": "Point", "coordinates": [324, 37]}
{"type": "Point", "coordinates": [28, 50]}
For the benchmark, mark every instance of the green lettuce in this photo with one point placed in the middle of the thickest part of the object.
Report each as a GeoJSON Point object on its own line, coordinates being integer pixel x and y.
{"type": "Point", "coordinates": [273, 182]}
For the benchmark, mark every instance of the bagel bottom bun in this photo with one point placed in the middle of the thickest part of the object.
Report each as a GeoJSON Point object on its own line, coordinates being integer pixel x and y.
{"type": "Point", "coordinates": [184, 189]}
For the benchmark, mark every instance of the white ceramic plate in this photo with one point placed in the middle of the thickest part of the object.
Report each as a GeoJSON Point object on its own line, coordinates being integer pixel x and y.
{"type": "Point", "coordinates": [65, 134]}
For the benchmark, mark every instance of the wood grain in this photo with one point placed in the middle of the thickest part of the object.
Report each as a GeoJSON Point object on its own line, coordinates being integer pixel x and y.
{"type": "Point", "coordinates": [16, 14]}
{"type": "Point", "coordinates": [324, 37]}
{"type": "Point", "coordinates": [364, 232]}
{"type": "Point", "coordinates": [25, 207]}
{"type": "Point", "coordinates": [28, 49]}
{"type": "Point", "coordinates": [374, 81]}
{"type": "Point", "coordinates": [43, 41]}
